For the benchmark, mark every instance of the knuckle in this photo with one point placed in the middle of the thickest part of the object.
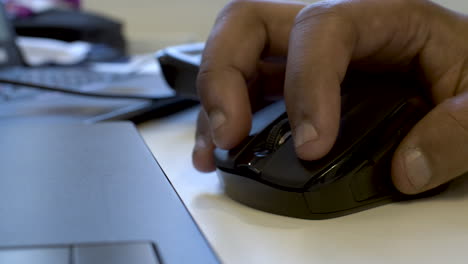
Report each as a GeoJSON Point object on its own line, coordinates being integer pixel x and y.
{"type": "Point", "coordinates": [235, 8]}
{"type": "Point", "coordinates": [203, 76]}
{"type": "Point", "coordinates": [208, 74]}
{"type": "Point", "coordinates": [349, 9]}
{"type": "Point", "coordinates": [321, 10]}
{"type": "Point", "coordinates": [202, 124]}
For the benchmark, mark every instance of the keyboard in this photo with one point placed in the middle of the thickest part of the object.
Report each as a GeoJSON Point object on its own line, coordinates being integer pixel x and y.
{"type": "Point", "coordinates": [70, 78]}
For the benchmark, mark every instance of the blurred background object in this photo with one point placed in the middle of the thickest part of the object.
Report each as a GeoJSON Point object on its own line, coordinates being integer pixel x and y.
{"type": "Point", "coordinates": [151, 25]}
{"type": "Point", "coordinates": [64, 20]}
{"type": "Point", "coordinates": [25, 8]}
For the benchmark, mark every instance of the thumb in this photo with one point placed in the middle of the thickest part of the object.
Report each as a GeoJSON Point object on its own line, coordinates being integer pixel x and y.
{"type": "Point", "coordinates": [436, 149]}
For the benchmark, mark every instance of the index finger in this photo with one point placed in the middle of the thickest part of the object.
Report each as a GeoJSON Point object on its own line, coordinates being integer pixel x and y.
{"type": "Point", "coordinates": [243, 32]}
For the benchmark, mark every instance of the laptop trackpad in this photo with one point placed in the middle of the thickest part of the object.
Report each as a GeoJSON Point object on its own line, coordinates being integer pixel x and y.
{"type": "Point", "coordinates": [119, 253]}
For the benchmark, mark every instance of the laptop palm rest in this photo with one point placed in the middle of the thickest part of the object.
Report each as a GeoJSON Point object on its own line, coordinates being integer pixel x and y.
{"type": "Point", "coordinates": [90, 189]}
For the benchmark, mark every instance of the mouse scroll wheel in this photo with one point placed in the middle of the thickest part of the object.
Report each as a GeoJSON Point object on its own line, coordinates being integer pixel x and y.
{"type": "Point", "coordinates": [278, 135]}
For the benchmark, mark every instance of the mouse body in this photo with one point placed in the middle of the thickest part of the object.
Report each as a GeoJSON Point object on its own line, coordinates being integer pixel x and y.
{"type": "Point", "coordinates": [264, 172]}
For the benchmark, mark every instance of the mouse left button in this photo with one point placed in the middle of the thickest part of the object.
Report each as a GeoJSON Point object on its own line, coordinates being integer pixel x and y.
{"type": "Point", "coordinates": [283, 168]}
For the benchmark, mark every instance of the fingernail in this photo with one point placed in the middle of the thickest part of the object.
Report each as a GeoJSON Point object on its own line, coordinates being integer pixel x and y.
{"type": "Point", "coordinates": [200, 143]}
{"type": "Point", "coordinates": [304, 133]}
{"type": "Point", "coordinates": [217, 119]}
{"type": "Point", "coordinates": [417, 168]}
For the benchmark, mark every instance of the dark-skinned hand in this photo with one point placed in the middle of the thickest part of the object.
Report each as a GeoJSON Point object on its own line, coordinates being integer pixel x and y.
{"type": "Point", "coordinates": [259, 49]}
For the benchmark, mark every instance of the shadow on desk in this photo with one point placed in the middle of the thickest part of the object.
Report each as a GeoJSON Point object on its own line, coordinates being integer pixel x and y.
{"type": "Point", "coordinates": [457, 190]}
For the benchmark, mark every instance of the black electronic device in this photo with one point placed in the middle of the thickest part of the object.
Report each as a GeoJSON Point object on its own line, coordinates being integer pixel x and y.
{"type": "Point", "coordinates": [72, 25]}
{"type": "Point", "coordinates": [265, 173]}
{"type": "Point", "coordinates": [179, 65]}
{"type": "Point", "coordinates": [377, 111]}
{"type": "Point", "coordinates": [107, 96]}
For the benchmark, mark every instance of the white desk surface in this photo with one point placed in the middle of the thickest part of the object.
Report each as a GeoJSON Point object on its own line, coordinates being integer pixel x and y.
{"type": "Point", "coordinates": [152, 24]}
{"type": "Point", "coordinates": [433, 230]}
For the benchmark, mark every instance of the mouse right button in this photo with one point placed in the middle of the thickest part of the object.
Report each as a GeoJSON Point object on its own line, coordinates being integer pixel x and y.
{"type": "Point", "coordinates": [362, 184]}
{"type": "Point", "coordinates": [372, 180]}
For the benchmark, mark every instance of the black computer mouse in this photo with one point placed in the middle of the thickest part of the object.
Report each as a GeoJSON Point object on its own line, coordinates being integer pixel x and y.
{"type": "Point", "coordinates": [377, 112]}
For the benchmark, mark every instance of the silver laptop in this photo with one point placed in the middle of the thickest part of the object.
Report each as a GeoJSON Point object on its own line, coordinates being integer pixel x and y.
{"type": "Point", "coordinates": [89, 194]}
{"type": "Point", "coordinates": [20, 102]}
